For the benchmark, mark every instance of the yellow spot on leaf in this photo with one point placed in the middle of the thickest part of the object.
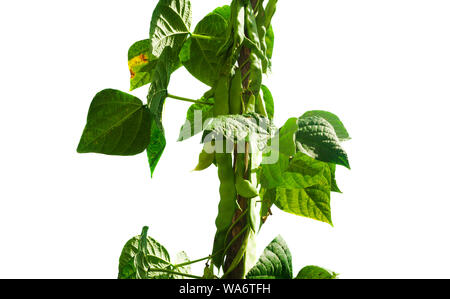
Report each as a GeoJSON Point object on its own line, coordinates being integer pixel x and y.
{"type": "Point", "coordinates": [135, 62]}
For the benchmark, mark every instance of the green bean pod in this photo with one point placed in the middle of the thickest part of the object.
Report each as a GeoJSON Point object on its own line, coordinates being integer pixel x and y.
{"type": "Point", "coordinates": [206, 158]}
{"type": "Point", "coordinates": [260, 106]}
{"type": "Point", "coordinates": [269, 12]}
{"type": "Point", "coordinates": [239, 26]}
{"type": "Point", "coordinates": [251, 25]}
{"type": "Point", "coordinates": [221, 97]}
{"type": "Point", "coordinates": [256, 67]}
{"type": "Point", "coordinates": [245, 188]}
{"type": "Point", "coordinates": [262, 32]}
{"type": "Point", "coordinates": [251, 104]}
{"type": "Point", "coordinates": [236, 93]}
{"type": "Point", "coordinates": [227, 205]}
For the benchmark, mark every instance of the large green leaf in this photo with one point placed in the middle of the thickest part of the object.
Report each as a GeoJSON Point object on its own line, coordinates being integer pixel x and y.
{"type": "Point", "coordinates": [170, 26]}
{"type": "Point", "coordinates": [317, 138]}
{"type": "Point", "coordinates": [117, 124]}
{"type": "Point", "coordinates": [314, 272]}
{"type": "Point", "coordinates": [237, 128]}
{"type": "Point", "coordinates": [140, 254]}
{"type": "Point", "coordinates": [203, 112]}
{"type": "Point", "coordinates": [274, 263]}
{"type": "Point", "coordinates": [199, 56]}
{"type": "Point", "coordinates": [338, 126]}
{"type": "Point", "coordinates": [141, 64]}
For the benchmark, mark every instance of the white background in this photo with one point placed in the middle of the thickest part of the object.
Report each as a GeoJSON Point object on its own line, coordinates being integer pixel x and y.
{"type": "Point", "coordinates": [383, 66]}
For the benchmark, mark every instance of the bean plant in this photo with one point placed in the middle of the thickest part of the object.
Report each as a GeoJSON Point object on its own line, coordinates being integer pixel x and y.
{"type": "Point", "coordinates": [258, 164]}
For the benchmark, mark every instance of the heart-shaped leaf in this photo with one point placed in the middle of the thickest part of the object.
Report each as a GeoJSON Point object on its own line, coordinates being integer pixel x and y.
{"type": "Point", "coordinates": [117, 124]}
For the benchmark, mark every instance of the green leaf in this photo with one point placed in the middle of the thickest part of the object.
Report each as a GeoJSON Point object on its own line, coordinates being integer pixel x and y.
{"type": "Point", "coordinates": [316, 137]}
{"type": "Point", "coordinates": [297, 173]}
{"type": "Point", "coordinates": [204, 112]}
{"type": "Point", "coordinates": [314, 272]}
{"type": "Point", "coordinates": [170, 26]}
{"type": "Point", "coordinates": [312, 202]}
{"type": "Point", "coordinates": [156, 147]}
{"type": "Point", "coordinates": [237, 128]}
{"type": "Point", "coordinates": [268, 100]}
{"type": "Point", "coordinates": [141, 64]}
{"type": "Point", "coordinates": [286, 143]}
{"type": "Point", "coordinates": [199, 56]}
{"type": "Point", "coordinates": [334, 186]}
{"type": "Point", "coordinates": [302, 186]}
{"type": "Point", "coordinates": [117, 124]}
{"type": "Point", "coordinates": [158, 91]}
{"type": "Point", "coordinates": [157, 96]}
{"type": "Point", "coordinates": [274, 263]}
{"type": "Point", "coordinates": [224, 11]}
{"type": "Point", "coordinates": [272, 174]}
{"type": "Point", "coordinates": [339, 128]}
{"type": "Point", "coordinates": [139, 255]}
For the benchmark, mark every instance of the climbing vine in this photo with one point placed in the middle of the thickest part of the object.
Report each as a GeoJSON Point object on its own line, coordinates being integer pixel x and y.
{"type": "Point", "coordinates": [259, 165]}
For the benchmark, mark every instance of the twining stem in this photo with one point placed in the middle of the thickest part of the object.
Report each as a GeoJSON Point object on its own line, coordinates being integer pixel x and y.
{"type": "Point", "coordinates": [174, 273]}
{"type": "Point", "coordinates": [188, 100]}
{"type": "Point", "coordinates": [242, 225]}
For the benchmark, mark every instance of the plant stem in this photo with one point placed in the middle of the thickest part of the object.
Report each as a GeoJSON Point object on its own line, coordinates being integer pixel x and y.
{"type": "Point", "coordinates": [174, 273]}
{"type": "Point", "coordinates": [192, 262]}
{"type": "Point", "coordinates": [188, 100]}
